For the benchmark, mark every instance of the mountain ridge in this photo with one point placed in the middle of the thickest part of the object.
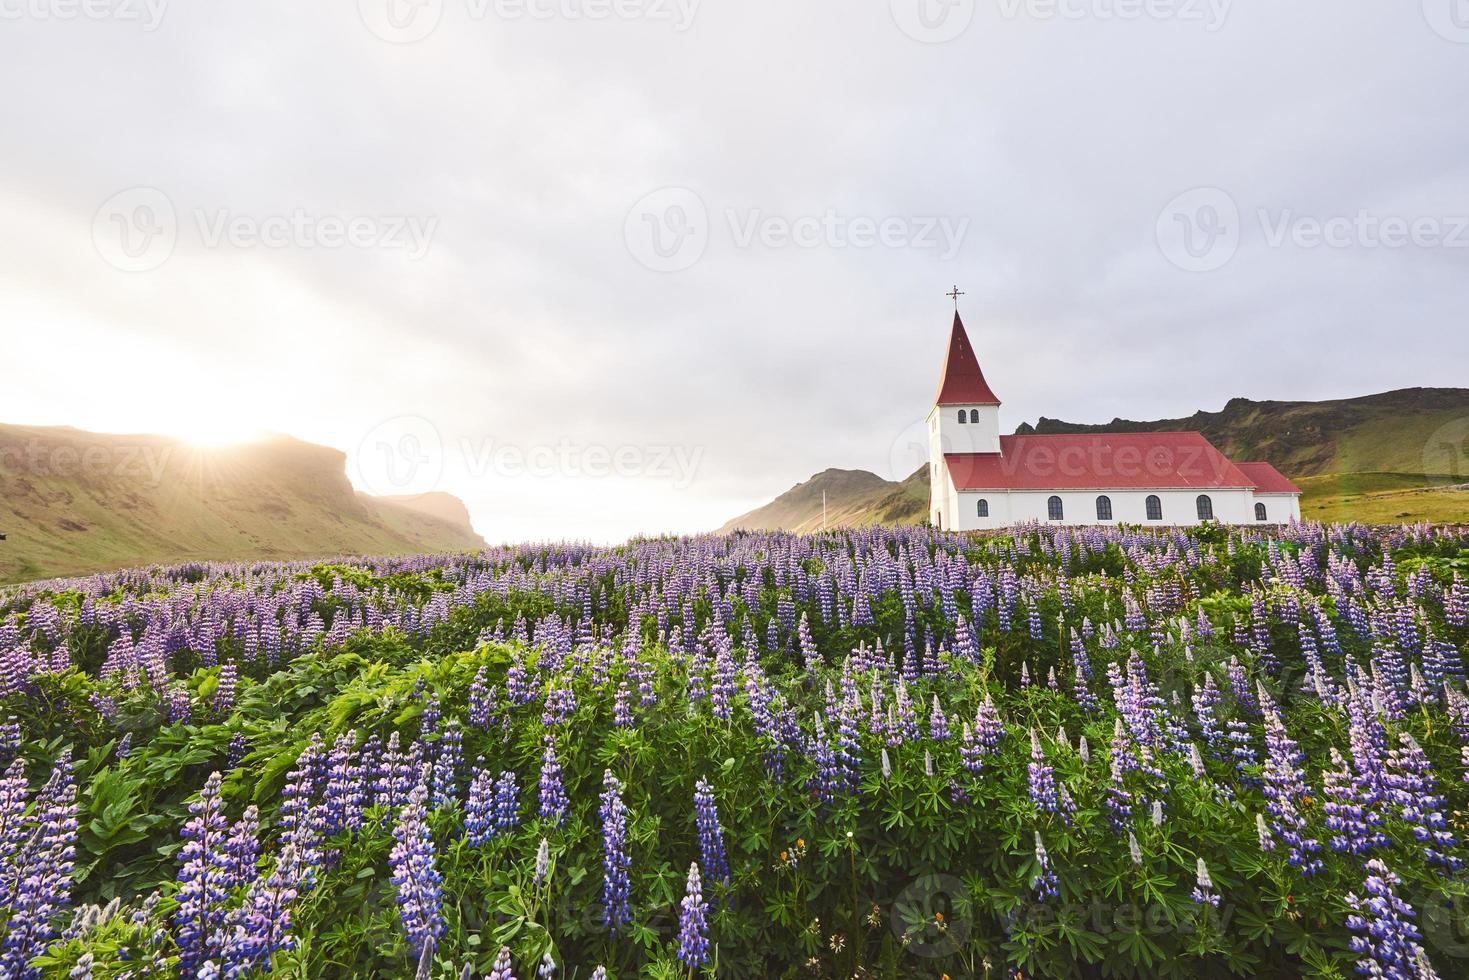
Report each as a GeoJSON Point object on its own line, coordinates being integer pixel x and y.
{"type": "Point", "coordinates": [73, 501]}
{"type": "Point", "coordinates": [1393, 456]}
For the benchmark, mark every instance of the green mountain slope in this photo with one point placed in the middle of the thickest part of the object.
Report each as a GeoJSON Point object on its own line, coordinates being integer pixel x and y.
{"type": "Point", "coordinates": [854, 498]}
{"type": "Point", "coordinates": [1399, 456]}
{"type": "Point", "coordinates": [74, 501]}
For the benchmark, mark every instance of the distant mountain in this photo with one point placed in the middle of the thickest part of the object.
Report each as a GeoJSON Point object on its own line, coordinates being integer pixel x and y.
{"type": "Point", "coordinates": [854, 498]}
{"type": "Point", "coordinates": [74, 501]}
{"type": "Point", "coordinates": [1398, 456]}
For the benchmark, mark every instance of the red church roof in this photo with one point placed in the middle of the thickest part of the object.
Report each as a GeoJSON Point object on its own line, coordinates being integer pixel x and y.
{"type": "Point", "coordinates": [1267, 478]}
{"type": "Point", "coordinates": [963, 382]}
{"type": "Point", "coordinates": [1102, 461]}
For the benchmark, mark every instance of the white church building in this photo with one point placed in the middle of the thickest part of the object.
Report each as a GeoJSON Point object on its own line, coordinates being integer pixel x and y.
{"type": "Point", "coordinates": [981, 479]}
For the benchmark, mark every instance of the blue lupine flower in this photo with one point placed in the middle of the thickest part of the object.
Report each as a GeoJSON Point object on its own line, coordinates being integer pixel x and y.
{"type": "Point", "coordinates": [711, 836]}
{"type": "Point", "coordinates": [418, 882]}
{"type": "Point", "coordinates": [1388, 939]}
{"type": "Point", "coordinates": [554, 803]}
{"type": "Point", "coordinates": [693, 925]}
{"type": "Point", "coordinates": [615, 860]}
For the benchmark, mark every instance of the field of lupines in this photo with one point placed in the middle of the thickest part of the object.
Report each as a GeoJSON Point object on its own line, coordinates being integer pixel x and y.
{"type": "Point", "coordinates": [879, 753]}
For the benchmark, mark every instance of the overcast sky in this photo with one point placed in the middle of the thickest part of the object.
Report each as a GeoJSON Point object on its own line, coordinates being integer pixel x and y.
{"type": "Point", "coordinates": [607, 267]}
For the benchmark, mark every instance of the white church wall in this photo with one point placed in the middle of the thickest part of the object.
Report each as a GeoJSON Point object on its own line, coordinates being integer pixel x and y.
{"type": "Point", "coordinates": [948, 435]}
{"type": "Point", "coordinates": [1180, 507]}
{"type": "Point", "coordinates": [1280, 508]}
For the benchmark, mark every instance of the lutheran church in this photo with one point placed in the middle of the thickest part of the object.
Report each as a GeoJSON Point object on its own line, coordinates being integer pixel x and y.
{"type": "Point", "coordinates": [981, 479]}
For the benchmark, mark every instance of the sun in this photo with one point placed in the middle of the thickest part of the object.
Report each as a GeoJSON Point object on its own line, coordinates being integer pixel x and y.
{"type": "Point", "coordinates": [215, 433]}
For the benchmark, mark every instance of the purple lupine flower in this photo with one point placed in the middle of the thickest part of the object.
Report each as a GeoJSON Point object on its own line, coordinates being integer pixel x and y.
{"type": "Point", "coordinates": [502, 968]}
{"type": "Point", "coordinates": [547, 969]}
{"type": "Point", "coordinates": [261, 926]}
{"type": "Point", "coordinates": [938, 724]}
{"type": "Point", "coordinates": [447, 762]}
{"type": "Point", "coordinates": [298, 827]}
{"type": "Point", "coordinates": [37, 878]}
{"type": "Point", "coordinates": [543, 862]}
{"type": "Point", "coordinates": [241, 850]}
{"type": "Point", "coordinates": [14, 795]}
{"type": "Point", "coordinates": [203, 879]}
{"type": "Point", "coordinates": [517, 683]}
{"type": "Point", "coordinates": [711, 836]}
{"type": "Point", "coordinates": [1045, 884]}
{"type": "Point", "coordinates": [988, 728]}
{"type": "Point", "coordinates": [1203, 892]}
{"type": "Point", "coordinates": [125, 746]}
{"type": "Point", "coordinates": [180, 711]}
{"type": "Point", "coordinates": [224, 694]}
{"type": "Point", "coordinates": [622, 706]}
{"type": "Point", "coordinates": [693, 924]}
{"type": "Point", "coordinates": [560, 704]}
{"type": "Point", "coordinates": [418, 882]}
{"type": "Point", "coordinates": [615, 859]}
{"type": "Point", "coordinates": [971, 756]}
{"type": "Point", "coordinates": [1411, 788]}
{"type": "Point", "coordinates": [1042, 778]}
{"type": "Point", "coordinates": [507, 803]}
{"type": "Point", "coordinates": [554, 804]}
{"type": "Point", "coordinates": [1082, 692]}
{"type": "Point", "coordinates": [1285, 788]}
{"type": "Point", "coordinates": [345, 796]}
{"type": "Point", "coordinates": [1388, 940]}
{"type": "Point", "coordinates": [236, 752]}
{"type": "Point", "coordinates": [829, 779]}
{"type": "Point", "coordinates": [479, 823]}
{"type": "Point", "coordinates": [1119, 799]}
{"type": "Point", "coordinates": [1350, 807]}
{"type": "Point", "coordinates": [848, 748]}
{"type": "Point", "coordinates": [481, 701]}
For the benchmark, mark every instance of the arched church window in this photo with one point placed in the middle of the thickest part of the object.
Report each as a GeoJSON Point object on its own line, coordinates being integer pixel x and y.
{"type": "Point", "coordinates": [1155, 507]}
{"type": "Point", "coordinates": [1053, 509]}
{"type": "Point", "coordinates": [1260, 512]}
{"type": "Point", "coordinates": [1206, 507]}
{"type": "Point", "coordinates": [1104, 508]}
{"type": "Point", "coordinates": [984, 507]}
{"type": "Point", "coordinates": [963, 416]}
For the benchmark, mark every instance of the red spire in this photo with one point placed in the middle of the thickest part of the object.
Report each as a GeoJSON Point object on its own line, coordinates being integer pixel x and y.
{"type": "Point", "coordinates": [963, 382]}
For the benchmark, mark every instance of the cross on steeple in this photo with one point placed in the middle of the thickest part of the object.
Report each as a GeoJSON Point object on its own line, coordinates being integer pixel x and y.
{"type": "Point", "coordinates": [954, 295]}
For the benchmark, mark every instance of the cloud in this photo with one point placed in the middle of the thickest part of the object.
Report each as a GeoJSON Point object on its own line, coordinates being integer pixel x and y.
{"type": "Point", "coordinates": [1056, 134]}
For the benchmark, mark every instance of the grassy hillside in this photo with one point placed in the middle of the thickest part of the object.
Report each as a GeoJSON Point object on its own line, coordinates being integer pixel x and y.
{"type": "Point", "coordinates": [854, 498]}
{"type": "Point", "coordinates": [74, 501]}
{"type": "Point", "coordinates": [1397, 457]}
{"type": "Point", "coordinates": [1422, 432]}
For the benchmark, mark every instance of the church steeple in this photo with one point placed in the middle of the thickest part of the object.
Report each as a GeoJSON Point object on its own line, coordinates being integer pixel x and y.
{"type": "Point", "coordinates": [963, 382]}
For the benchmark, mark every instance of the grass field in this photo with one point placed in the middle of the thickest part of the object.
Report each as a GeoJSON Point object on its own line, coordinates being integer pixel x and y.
{"type": "Point", "coordinates": [1382, 498]}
